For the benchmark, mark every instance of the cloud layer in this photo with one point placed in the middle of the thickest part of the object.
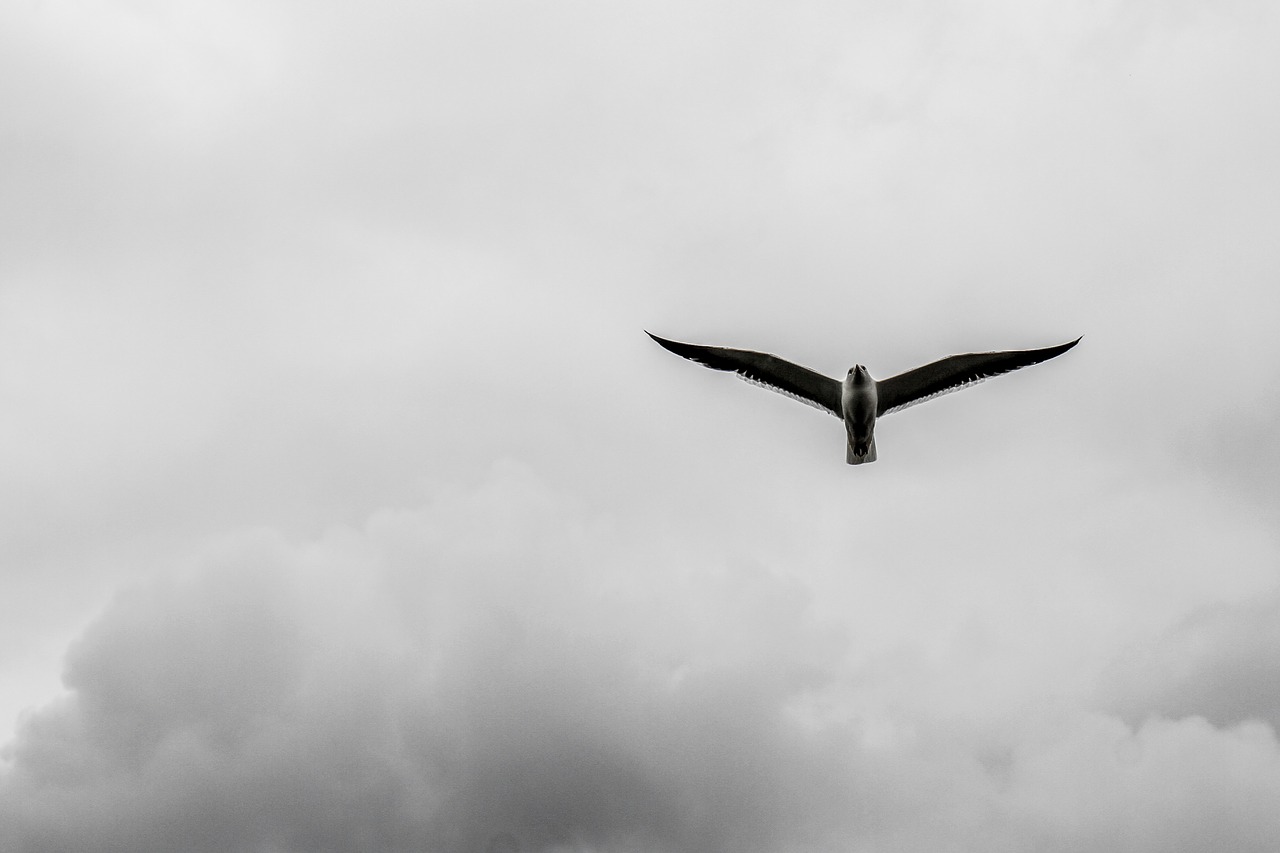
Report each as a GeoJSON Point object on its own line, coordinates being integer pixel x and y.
{"type": "Point", "coordinates": [489, 672]}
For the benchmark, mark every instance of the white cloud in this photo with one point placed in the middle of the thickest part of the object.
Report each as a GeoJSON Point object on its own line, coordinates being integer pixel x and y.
{"type": "Point", "coordinates": [1218, 662]}
{"type": "Point", "coordinates": [1168, 785]}
{"type": "Point", "coordinates": [440, 677]}
{"type": "Point", "coordinates": [493, 663]}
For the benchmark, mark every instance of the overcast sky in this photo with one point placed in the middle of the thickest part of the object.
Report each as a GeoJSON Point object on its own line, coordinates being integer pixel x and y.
{"type": "Point", "coordinates": [348, 508]}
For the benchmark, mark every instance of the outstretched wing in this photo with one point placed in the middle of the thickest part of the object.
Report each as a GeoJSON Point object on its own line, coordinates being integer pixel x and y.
{"type": "Point", "coordinates": [954, 373]}
{"type": "Point", "coordinates": [760, 368]}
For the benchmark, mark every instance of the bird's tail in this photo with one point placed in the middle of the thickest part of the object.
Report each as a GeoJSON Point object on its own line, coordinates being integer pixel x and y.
{"type": "Point", "coordinates": [854, 458]}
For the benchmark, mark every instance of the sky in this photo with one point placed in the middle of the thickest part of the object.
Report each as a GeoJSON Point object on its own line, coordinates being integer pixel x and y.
{"type": "Point", "coordinates": [347, 507]}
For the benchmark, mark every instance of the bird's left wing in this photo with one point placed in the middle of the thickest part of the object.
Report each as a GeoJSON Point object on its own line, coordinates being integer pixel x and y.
{"type": "Point", "coordinates": [956, 372]}
{"type": "Point", "coordinates": [760, 368]}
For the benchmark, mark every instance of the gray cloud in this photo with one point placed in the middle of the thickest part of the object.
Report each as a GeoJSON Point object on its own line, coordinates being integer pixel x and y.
{"type": "Point", "coordinates": [1219, 662]}
{"type": "Point", "coordinates": [485, 671]}
{"type": "Point", "coordinates": [247, 704]}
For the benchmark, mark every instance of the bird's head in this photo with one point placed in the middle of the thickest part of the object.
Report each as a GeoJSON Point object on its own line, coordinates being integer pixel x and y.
{"type": "Point", "coordinates": [858, 374]}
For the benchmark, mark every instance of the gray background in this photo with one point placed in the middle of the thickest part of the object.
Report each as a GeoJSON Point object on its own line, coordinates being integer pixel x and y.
{"type": "Point", "coordinates": [346, 507]}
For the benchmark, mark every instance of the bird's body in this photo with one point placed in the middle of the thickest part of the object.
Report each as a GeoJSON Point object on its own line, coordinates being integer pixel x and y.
{"type": "Point", "coordinates": [859, 400]}
{"type": "Point", "coordinates": [858, 411]}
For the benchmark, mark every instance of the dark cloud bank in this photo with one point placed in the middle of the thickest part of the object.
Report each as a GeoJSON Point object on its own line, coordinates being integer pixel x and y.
{"type": "Point", "coordinates": [494, 673]}
{"type": "Point", "coordinates": [461, 679]}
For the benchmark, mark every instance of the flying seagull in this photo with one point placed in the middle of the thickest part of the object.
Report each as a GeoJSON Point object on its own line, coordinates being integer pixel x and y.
{"type": "Point", "coordinates": [859, 400]}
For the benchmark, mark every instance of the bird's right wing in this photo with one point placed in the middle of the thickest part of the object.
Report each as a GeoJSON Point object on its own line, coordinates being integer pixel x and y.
{"type": "Point", "coordinates": [956, 372]}
{"type": "Point", "coordinates": [760, 368]}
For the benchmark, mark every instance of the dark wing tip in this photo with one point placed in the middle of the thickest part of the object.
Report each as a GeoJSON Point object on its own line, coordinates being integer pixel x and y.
{"type": "Point", "coordinates": [689, 351]}
{"type": "Point", "coordinates": [1042, 354]}
{"type": "Point", "coordinates": [1061, 348]}
{"type": "Point", "coordinates": [1035, 356]}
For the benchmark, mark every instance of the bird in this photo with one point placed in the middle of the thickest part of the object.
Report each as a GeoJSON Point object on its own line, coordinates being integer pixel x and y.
{"type": "Point", "coordinates": [859, 400]}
